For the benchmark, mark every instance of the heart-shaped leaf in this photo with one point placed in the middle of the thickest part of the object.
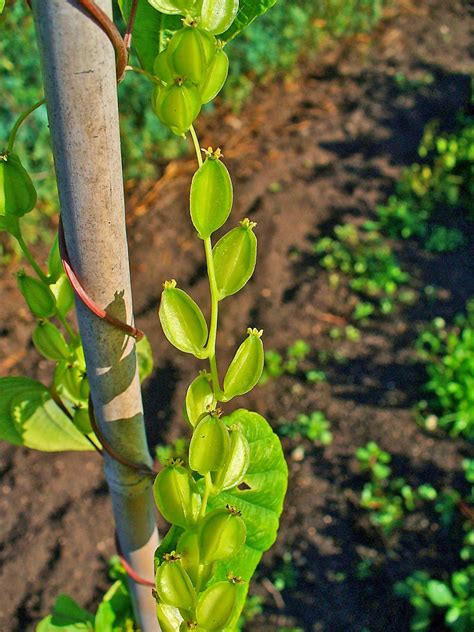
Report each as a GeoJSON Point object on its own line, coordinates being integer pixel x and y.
{"type": "Point", "coordinates": [261, 503]}
{"type": "Point", "coordinates": [150, 30]}
{"type": "Point", "coordinates": [67, 616]}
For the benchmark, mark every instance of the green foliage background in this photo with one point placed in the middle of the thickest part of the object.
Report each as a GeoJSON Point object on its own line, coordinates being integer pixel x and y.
{"type": "Point", "coordinates": [270, 46]}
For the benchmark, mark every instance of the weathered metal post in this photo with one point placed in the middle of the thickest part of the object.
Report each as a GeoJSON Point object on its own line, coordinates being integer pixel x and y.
{"type": "Point", "coordinates": [81, 95]}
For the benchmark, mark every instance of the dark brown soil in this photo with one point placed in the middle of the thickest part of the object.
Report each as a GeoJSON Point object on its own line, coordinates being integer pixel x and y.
{"type": "Point", "coordinates": [334, 139]}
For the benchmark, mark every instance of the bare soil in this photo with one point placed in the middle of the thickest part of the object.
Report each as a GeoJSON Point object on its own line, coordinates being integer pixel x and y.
{"type": "Point", "coordinates": [321, 148]}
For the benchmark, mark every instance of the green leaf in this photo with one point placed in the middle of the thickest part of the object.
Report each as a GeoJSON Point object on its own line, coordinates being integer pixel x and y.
{"type": "Point", "coordinates": [115, 611]}
{"type": "Point", "coordinates": [67, 616]}
{"type": "Point", "coordinates": [2, 5]}
{"type": "Point", "coordinates": [248, 11]}
{"type": "Point", "coordinates": [144, 358]}
{"type": "Point", "coordinates": [439, 593]}
{"type": "Point", "coordinates": [150, 30]}
{"type": "Point", "coordinates": [30, 417]}
{"type": "Point", "coordinates": [261, 505]}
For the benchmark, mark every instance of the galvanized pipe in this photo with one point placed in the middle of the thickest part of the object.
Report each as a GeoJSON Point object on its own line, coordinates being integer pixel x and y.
{"type": "Point", "coordinates": [81, 95]}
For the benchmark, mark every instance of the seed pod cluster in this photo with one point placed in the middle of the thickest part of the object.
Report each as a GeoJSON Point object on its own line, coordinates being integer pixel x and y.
{"type": "Point", "coordinates": [187, 598]}
{"type": "Point", "coordinates": [210, 535]}
{"type": "Point", "coordinates": [192, 69]}
{"type": "Point", "coordinates": [182, 576]}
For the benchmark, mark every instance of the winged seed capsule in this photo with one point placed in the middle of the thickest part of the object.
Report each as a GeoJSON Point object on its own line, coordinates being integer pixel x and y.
{"type": "Point", "coordinates": [55, 266]}
{"type": "Point", "coordinates": [199, 398]}
{"type": "Point", "coordinates": [50, 342]}
{"type": "Point", "coordinates": [37, 295]}
{"type": "Point", "coordinates": [177, 105]}
{"type": "Point", "coordinates": [188, 546]}
{"type": "Point", "coordinates": [190, 51]}
{"type": "Point", "coordinates": [221, 535]}
{"type": "Point", "coordinates": [209, 445]}
{"type": "Point", "coordinates": [218, 15]}
{"type": "Point", "coordinates": [162, 67]}
{"type": "Point", "coordinates": [168, 617]}
{"type": "Point", "coordinates": [211, 195]}
{"type": "Point", "coordinates": [246, 367]}
{"type": "Point", "coordinates": [236, 466]}
{"type": "Point", "coordinates": [182, 321]}
{"type": "Point", "coordinates": [176, 494]}
{"type": "Point", "coordinates": [235, 255]}
{"type": "Point", "coordinates": [82, 420]}
{"type": "Point", "coordinates": [215, 77]}
{"type": "Point", "coordinates": [171, 7]}
{"type": "Point", "coordinates": [17, 193]}
{"type": "Point", "coordinates": [173, 584]}
{"type": "Point", "coordinates": [215, 605]}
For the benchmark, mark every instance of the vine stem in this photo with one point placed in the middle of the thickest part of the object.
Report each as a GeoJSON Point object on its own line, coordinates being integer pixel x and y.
{"type": "Point", "coordinates": [205, 498]}
{"type": "Point", "coordinates": [68, 327]}
{"type": "Point", "coordinates": [146, 74]}
{"type": "Point", "coordinates": [131, 22]}
{"type": "Point", "coordinates": [31, 259]}
{"type": "Point", "coordinates": [197, 147]}
{"type": "Point", "coordinates": [211, 343]}
{"type": "Point", "coordinates": [19, 121]}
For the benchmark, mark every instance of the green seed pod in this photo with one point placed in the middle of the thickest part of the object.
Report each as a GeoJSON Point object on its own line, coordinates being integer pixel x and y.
{"type": "Point", "coordinates": [222, 535]}
{"type": "Point", "coordinates": [162, 68]}
{"type": "Point", "coordinates": [235, 255]}
{"type": "Point", "coordinates": [237, 464]}
{"type": "Point", "coordinates": [246, 367]}
{"type": "Point", "coordinates": [199, 398]}
{"type": "Point", "coordinates": [168, 617]}
{"type": "Point", "coordinates": [215, 77]}
{"type": "Point", "coordinates": [177, 105]}
{"type": "Point", "coordinates": [171, 7]}
{"type": "Point", "coordinates": [50, 342]}
{"type": "Point", "coordinates": [210, 45]}
{"type": "Point", "coordinates": [216, 605]}
{"type": "Point", "coordinates": [37, 295]}
{"type": "Point", "coordinates": [209, 445]}
{"type": "Point", "coordinates": [55, 266]}
{"type": "Point", "coordinates": [188, 547]}
{"type": "Point", "coordinates": [189, 53]}
{"type": "Point", "coordinates": [70, 379]}
{"type": "Point", "coordinates": [173, 584]}
{"type": "Point", "coordinates": [218, 15]}
{"type": "Point", "coordinates": [182, 321]}
{"type": "Point", "coordinates": [176, 495]}
{"type": "Point", "coordinates": [82, 420]}
{"type": "Point", "coordinates": [64, 294]}
{"type": "Point", "coordinates": [17, 193]}
{"type": "Point", "coordinates": [211, 195]}
{"type": "Point", "coordinates": [84, 387]}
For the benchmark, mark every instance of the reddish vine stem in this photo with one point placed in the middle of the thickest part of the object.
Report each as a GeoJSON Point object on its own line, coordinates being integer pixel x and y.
{"type": "Point", "coordinates": [85, 298]}
{"type": "Point", "coordinates": [127, 40]}
{"type": "Point", "coordinates": [129, 570]}
{"type": "Point", "coordinates": [121, 46]}
{"type": "Point", "coordinates": [142, 468]}
{"type": "Point", "coordinates": [112, 32]}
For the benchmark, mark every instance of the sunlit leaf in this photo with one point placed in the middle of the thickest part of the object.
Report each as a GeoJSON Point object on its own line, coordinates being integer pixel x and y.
{"type": "Point", "coordinates": [30, 417]}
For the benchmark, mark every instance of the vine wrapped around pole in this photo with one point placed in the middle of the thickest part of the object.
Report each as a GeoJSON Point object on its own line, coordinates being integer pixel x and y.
{"type": "Point", "coordinates": [79, 72]}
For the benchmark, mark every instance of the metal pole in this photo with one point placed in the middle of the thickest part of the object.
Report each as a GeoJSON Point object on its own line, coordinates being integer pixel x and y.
{"type": "Point", "coordinates": [81, 95]}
